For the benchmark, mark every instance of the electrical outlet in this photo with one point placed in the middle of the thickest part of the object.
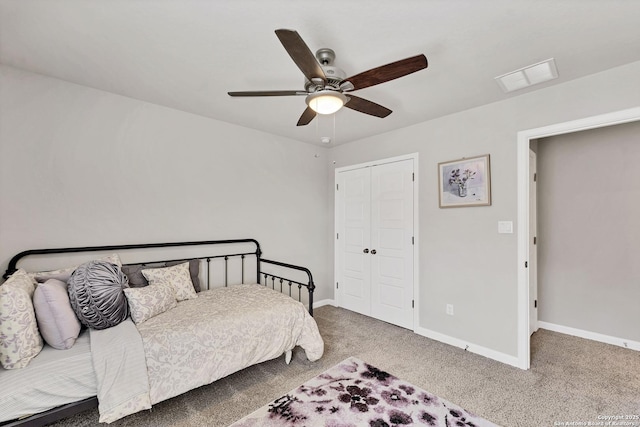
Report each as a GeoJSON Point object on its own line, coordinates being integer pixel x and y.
{"type": "Point", "coordinates": [450, 309]}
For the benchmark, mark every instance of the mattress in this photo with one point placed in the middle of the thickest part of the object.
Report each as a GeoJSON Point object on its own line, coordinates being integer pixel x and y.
{"type": "Point", "coordinates": [54, 378]}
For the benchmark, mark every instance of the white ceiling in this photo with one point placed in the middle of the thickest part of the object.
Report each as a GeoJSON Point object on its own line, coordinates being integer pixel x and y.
{"type": "Point", "coordinates": [187, 54]}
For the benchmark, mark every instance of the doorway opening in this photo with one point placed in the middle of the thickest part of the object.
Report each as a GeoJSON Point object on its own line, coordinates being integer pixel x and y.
{"type": "Point", "coordinates": [524, 215]}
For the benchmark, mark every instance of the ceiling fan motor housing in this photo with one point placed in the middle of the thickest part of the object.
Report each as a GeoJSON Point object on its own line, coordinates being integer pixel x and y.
{"type": "Point", "coordinates": [334, 76]}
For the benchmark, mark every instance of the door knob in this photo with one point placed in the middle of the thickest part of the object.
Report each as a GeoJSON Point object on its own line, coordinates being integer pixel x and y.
{"type": "Point", "coordinates": [366, 250]}
{"type": "Point", "coordinates": [373, 251]}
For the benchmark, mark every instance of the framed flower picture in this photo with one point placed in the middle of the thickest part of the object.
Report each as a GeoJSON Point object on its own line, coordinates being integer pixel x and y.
{"type": "Point", "coordinates": [465, 182]}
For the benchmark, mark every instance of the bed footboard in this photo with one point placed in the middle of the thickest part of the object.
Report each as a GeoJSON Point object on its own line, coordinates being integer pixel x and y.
{"type": "Point", "coordinates": [288, 284]}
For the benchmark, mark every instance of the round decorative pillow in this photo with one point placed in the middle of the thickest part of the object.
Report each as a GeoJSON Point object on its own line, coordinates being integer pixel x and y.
{"type": "Point", "coordinates": [96, 294]}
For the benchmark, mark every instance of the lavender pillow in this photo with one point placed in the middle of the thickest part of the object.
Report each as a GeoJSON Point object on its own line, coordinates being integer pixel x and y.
{"type": "Point", "coordinates": [57, 321]}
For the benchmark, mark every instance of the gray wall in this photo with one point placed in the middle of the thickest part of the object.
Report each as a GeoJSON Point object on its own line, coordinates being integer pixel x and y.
{"type": "Point", "coordinates": [463, 260]}
{"type": "Point", "coordinates": [80, 166]}
{"type": "Point", "coordinates": [589, 230]}
{"type": "Point", "coordinates": [170, 175]}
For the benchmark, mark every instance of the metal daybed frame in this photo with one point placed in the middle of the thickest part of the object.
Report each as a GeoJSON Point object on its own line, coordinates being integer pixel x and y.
{"type": "Point", "coordinates": [276, 281]}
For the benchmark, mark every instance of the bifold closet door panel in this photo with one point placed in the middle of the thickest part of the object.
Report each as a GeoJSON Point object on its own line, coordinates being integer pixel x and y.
{"type": "Point", "coordinates": [354, 237]}
{"type": "Point", "coordinates": [391, 243]}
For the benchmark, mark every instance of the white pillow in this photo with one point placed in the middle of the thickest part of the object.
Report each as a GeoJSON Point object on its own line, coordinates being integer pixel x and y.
{"type": "Point", "coordinates": [177, 276]}
{"type": "Point", "coordinates": [20, 340]}
{"type": "Point", "coordinates": [149, 301]}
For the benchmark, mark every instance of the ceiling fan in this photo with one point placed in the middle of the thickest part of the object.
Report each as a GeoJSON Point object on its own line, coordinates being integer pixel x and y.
{"type": "Point", "coordinates": [326, 85]}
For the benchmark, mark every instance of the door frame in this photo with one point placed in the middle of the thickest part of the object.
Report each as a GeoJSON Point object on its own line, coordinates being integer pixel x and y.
{"type": "Point", "coordinates": [523, 143]}
{"type": "Point", "coordinates": [416, 245]}
{"type": "Point", "coordinates": [533, 232]}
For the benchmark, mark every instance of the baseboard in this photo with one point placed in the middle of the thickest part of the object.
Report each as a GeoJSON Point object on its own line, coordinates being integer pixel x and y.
{"type": "Point", "coordinates": [594, 336]}
{"type": "Point", "coordinates": [473, 348]}
{"type": "Point", "coordinates": [482, 351]}
{"type": "Point", "coordinates": [324, 302]}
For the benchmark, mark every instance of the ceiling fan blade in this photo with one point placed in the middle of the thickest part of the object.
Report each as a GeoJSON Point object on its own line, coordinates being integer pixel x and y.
{"type": "Point", "coordinates": [269, 93]}
{"type": "Point", "coordinates": [388, 72]}
{"type": "Point", "coordinates": [301, 55]}
{"type": "Point", "coordinates": [368, 107]}
{"type": "Point", "coordinates": [306, 117]}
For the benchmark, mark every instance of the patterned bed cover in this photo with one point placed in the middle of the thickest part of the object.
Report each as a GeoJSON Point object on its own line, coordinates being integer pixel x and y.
{"type": "Point", "coordinates": [222, 331]}
{"type": "Point", "coordinates": [198, 342]}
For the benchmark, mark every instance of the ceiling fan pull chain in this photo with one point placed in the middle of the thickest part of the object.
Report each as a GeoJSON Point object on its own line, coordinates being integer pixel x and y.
{"type": "Point", "coordinates": [334, 128]}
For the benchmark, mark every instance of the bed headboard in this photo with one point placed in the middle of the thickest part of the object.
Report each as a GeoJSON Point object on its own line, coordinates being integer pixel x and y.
{"type": "Point", "coordinates": [267, 272]}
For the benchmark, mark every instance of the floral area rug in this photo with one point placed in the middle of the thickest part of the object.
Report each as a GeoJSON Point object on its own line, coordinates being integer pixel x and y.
{"type": "Point", "coordinates": [354, 393]}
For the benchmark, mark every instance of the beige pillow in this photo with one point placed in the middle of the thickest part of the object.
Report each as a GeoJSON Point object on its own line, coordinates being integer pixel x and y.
{"type": "Point", "coordinates": [20, 340]}
{"type": "Point", "coordinates": [63, 274]}
{"type": "Point", "coordinates": [149, 301]}
{"type": "Point", "coordinates": [177, 276]}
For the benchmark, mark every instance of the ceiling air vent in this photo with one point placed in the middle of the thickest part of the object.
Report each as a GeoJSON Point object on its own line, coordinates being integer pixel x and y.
{"type": "Point", "coordinates": [528, 76]}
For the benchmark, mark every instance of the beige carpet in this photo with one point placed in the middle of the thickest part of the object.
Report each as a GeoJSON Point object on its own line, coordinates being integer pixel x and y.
{"type": "Point", "coordinates": [571, 379]}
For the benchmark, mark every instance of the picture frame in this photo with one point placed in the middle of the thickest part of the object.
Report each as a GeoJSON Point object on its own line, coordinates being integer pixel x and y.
{"type": "Point", "coordinates": [465, 182]}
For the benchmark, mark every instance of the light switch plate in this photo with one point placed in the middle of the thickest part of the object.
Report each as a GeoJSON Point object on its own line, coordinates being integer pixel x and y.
{"type": "Point", "coordinates": [505, 227]}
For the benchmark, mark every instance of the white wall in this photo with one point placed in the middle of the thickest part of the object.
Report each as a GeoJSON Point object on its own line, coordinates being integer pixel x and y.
{"type": "Point", "coordinates": [80, 166]}
{"type": "Point", "coordinates": [463, 260]}
{"type": "Point", "coordinates": [588, 232]}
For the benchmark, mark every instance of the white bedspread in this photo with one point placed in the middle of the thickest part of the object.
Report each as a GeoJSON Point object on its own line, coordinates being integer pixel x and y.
{"type": "Point", "coordinates": [223, 331]}
{"type": "Point", "coordinates": [119, 363]}
{"type": "Point", "coordinates": [53, 378]}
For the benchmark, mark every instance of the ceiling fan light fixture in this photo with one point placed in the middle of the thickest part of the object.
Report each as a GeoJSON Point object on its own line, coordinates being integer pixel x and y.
{"type": "Point", "coordinates": [326, 101]}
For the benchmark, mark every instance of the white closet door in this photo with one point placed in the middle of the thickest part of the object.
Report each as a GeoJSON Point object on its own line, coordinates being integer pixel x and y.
{"type": "Point", "coordinates": [391, 243]}
{"type": "Point", "coordinates": [354, 260]}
